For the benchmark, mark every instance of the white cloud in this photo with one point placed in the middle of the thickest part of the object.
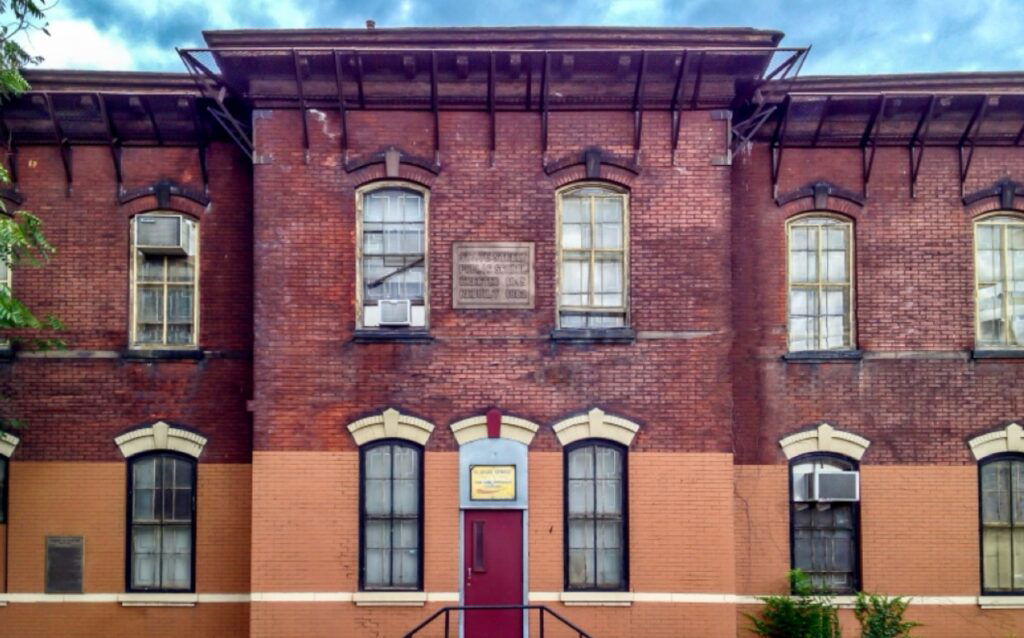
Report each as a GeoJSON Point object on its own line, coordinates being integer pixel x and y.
{"type": "Point", "coordinates": [77, 44]}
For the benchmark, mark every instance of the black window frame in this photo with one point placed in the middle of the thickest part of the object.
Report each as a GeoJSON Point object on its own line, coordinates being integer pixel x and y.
{"type": "Point", "coordinates": [1003, 456]}
{"type": "Point", "coordinates": [421, 451]}
{"type": "Point", "coordinates": [624, 455]}
{"type": "Point", "coordinates": [129, 521]}
{"type": "Point", "coordinates": [854, 464]}
{"type": "Point", "coordinates": [5, 481]}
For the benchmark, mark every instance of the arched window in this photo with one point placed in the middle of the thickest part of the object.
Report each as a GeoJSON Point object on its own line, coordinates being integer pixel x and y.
{"type": "Point", "coordinates": [391, 506]}
{"type": "Point", "coordinates": [392, 272]}
{"type": "Point", "coordinates": [165, 280]}
{"type": "Point", "coordinates": [596, 520]}
{"type": "Point", "coordinates": [593, 257]}
{"type": "Point", "coordinates": [161, 522]}
{"type": "Point", "coordinates": [1002, 523]}
{"type": "Point", "coordinates": [824, 521]}
{"type": "Point", "coordinates": [999, 281]}
{"type": "Point", "coordinates": [820, 274]}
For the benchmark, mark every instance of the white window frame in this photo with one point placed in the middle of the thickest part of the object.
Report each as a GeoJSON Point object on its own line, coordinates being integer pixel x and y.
{"type": "Point", "coordinates": [624, 309]}
{"type": "Point", "coordinates": [418, 322]}
{"type": "Point", "coordinates": [134, 288]}
{"type": "Point", "coordinates": [1011, 218]}
{"type": "Point", "coordinates": [851, 266]}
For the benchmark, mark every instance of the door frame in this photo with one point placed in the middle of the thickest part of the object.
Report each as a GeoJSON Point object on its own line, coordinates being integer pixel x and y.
{"type": "Point", "coordinates": [494, 451]}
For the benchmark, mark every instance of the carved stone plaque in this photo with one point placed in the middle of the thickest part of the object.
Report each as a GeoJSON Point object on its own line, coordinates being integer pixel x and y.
{"type": "Point", "coordinates": [492, 275]}
{"type": "Point", "coordinates": [64, 564]}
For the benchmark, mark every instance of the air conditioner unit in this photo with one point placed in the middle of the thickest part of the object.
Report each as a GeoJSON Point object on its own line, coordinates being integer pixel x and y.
{"type": "Point", "coordinates": [833, 487]}
{"type": "Point", "coordinates": [162, 234]}
{"type": "Point", "coordinates": [395, 312]}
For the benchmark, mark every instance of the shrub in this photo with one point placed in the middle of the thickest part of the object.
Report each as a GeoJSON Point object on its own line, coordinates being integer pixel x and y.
{"type": "Point", "coordinates": [805, 614]}
{"type": "Point", "coordinates": [882, 616]}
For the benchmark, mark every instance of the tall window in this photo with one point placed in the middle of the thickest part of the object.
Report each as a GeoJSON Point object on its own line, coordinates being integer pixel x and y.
{"type": "Point", "coordinates": [999, 280]}
{"type": "Point", "coordinates": [392, 521]}
{"type": "Point", "coordinates": [164, 275]}
{"type": "Point", "coordinates": [393, 266]}
{"type": "Point", "coordinates": [1002, 524]}
{"type": "Point", "coordinates": [595, 516]}
{"type": "Point", "coordinates": [593, 257]}
{"type": "Point", "coordinates": [161, 491]}
{"type": "Point", "coordinates": [824, 534]}
{"type": "Point", "coordinates": [820, 283]}
{"type": "Point", "coordinates": [3, 489]}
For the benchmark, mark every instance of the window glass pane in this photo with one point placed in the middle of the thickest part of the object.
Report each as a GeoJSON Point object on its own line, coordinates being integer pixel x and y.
{"type": "Point", "coordinates": [608, 216]}
{"type": "Point", "coordinates": [995, 492]}
{"type": "Point", "coordinates": [405, 534]}
{"type": "Point", "coordinates": [608, 462]}
{"type": "Point", "coordinates": [377, 534]}
{"type": "Point", "coordinates": [608, 280]}
{"type": "Point", "coordinates": [412, 207]}
{"type": "Point", "coordinates": [373, 239]}
{"type": "Point", "coordinates": [608, 498]}
{"type": "Point", "coordinates": [151, 267]}
{"type": "Point", "coordinates": [835, 265]}
{"type": "Point", "coordinates": [575, 281]}
{"type": "Point", "coordinates": [406, 497]}
{"type": "Point", "coordinates": [374, 205]}
{"type": "Point", "coordinates": [581, 463]}
{"type": "Point", "coordinates": [144, 471]}
{"type": "Point", "coordinates": [581, 497]}
{"type": "Point", "coordinates": [581, 568]}
{"type": "Point", "coordinates": [151, 304]}
{"type": "Point", "coordinates": [180, 269]}
{"type": "Point", "coordinates": [406, 568]}
{"type": "Point", "coordinates": [145, 556]}
{"type": "Point", "coordinates": [378, 462]}
{"type": "Point", "coordinates": [378, 497]}
{"type": "Point", "coordinates": [996, 550]}
{"type": "Point", "coordinates": [609, 568]}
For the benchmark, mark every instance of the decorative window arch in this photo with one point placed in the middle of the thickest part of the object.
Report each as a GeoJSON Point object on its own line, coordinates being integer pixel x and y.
{"type": "Point", "coordinates": [161, 436]}
{"type": "Point", "coordinates": [998, 278]}
{"type": "Point", "coordinates": [593, 256]}
{"type": "Point", "coordinates": [596, 424]}
{"type": "Point", "coordinates": [164, 280]}
{"type": "Point", "coordinates": [483, 426]}
{"type": "Point", "coordinates": [392, 255]}
{"type": "Point", "coordinates": [820, 282]}
{"type": "Point", "coordinates": [824, 438]}
{"type": "Point", "coordinates": [390, 424]}
{"type": "Point", "coordinates": [7, 444]}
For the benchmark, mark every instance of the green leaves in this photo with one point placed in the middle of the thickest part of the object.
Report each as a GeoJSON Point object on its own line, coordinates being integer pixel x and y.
{"type": "Point", "coordinates": [805, 614]}
{"type": "Point", "coordinates": [882, 616]}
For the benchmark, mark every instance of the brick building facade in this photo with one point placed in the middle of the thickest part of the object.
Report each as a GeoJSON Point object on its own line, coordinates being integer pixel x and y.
{"type": "Point", "coordinates": [627, 441]}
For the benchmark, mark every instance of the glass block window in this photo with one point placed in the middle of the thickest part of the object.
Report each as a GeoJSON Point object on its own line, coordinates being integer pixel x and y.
{"type": "Point", "coordinates": [165, 280]}
{"type": "Point", "coordinates": [162, 496]}
{"type": "Point", "coordinates": [999, 280]}
{"type": "Point", "coordinates": [393, 249]}
{"type": "Point", "coordinates": [820, 283]}
{"type": "Point", "coordinates": [825, 543]}
{"type": "Point", "coordinates": [392, 524]}
{"type": "Point", "coordinates": [592, 257]}
{"type": "Point", "coordinates": [1002, 525]}
{"type": "Point", "coordinates": [596, 516]}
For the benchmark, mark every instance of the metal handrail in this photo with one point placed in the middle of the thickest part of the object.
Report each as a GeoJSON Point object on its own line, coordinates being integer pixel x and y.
{"type": "Point", "coordinates": [446, 611]}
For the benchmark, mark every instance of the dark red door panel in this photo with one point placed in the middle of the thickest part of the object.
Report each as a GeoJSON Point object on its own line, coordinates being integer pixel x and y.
{"type": "Point", "coordinates": [493, 574]}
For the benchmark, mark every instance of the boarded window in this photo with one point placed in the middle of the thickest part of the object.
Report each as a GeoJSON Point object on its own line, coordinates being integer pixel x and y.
{"type": "Point", "coordinates": [162, 497]}
{"type": "Point", "coordinates": [592, 258]}
{"type": "Point", "coordinates": [595, 517]}
{"type": "Point", "coordinates": [392, 526]}
{"type": "Point", "coordinates": [820, 283]}
{"type": "Point", "coordinates": [999, 278]}
{"type": "Point", "coordinates": [825, 544]}
{"type": "Point", "coordinates": [1002, 525]}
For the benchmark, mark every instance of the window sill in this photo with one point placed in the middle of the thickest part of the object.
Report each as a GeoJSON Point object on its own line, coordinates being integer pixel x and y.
{"type": "Point", "coordinates": [584, 335]}
{"type": "Point", "coordinates": [166, 354]}
{"type": "Point", "coordinates": [158, 600]}
{"type": "Point", "coordinates": [998, 354]}
{"type": "Point", "coordinates": [392, 336]}
{"type": "Point", "coordinates": [1001, 602]}
{"type": "Point", "coordinates": [596, 598]}
{"type": "Point", "coordinates": [824, 356]}
{"type": "Point", "coordinates": [390, 598]}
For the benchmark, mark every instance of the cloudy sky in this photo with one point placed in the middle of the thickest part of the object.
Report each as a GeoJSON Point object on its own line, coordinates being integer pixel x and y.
{"type": "Point", "coordinates": [869, 36]}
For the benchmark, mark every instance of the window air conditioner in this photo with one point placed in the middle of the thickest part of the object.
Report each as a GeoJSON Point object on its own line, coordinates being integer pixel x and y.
{"type": "Point", "coordinates": [833, 487]}
{"type": "Point", "coordinates": [395, 312]}
{"type": "Point", "coordinates": [162, 234]}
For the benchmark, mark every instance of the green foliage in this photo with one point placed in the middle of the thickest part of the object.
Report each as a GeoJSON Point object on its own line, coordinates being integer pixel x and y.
{"type": "Point", "coordinates": [805, 614]}
{"type": "Point", "coordinates": [882, 616]}
{"type": "Point", "coordinates": [17, 16]}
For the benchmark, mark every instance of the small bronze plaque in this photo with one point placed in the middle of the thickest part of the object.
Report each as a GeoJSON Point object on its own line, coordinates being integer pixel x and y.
{"type": "Point", "coordinates": [64, 564]}
{"type": "Point", "coordinates": [492, 275]}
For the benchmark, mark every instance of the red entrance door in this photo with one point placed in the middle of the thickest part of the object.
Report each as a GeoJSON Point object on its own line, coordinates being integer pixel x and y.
{"type": "Point", "coordinates": [493, 575]}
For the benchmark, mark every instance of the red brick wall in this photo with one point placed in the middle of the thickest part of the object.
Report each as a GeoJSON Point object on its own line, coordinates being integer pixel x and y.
{"type": "Point", "coordinates": [312, 380]}
{"type": "Point", "coordinates": [75, 407]}
{"type": "Point", "coordinates": [914, 286]}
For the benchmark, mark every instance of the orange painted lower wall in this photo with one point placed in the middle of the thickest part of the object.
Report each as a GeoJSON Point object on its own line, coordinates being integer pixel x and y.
{"type": "Point", "coordinates": [111, 620]}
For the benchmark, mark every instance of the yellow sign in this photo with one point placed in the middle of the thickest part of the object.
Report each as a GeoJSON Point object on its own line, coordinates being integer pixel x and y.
{"type": "Point", "coordinates": [492, 483]}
